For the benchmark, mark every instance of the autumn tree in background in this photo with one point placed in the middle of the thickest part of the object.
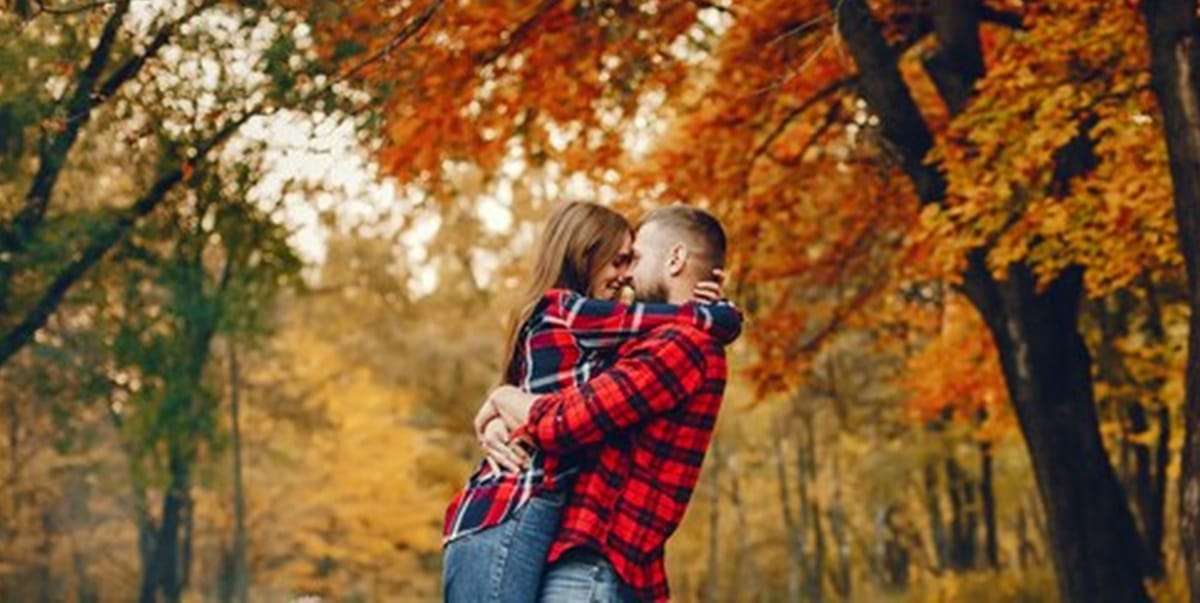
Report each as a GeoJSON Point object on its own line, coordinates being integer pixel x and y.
{"type": "Point", "coordinates": [1171, 29]}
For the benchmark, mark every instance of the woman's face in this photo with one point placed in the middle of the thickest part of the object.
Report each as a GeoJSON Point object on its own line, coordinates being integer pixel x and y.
{"type": "Point", "coordinates": [606, 284]}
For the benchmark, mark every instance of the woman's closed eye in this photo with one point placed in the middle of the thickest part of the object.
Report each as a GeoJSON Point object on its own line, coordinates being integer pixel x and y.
{"type": "Point", "coordinates": [623, 260]}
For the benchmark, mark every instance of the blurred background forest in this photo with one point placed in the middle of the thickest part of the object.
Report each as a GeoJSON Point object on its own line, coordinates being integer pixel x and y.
{"type": "Point", "coordinates": [256, 259]}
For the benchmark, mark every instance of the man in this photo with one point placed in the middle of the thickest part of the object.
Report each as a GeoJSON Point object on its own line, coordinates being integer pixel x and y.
{"type": "Point", "coordinates": [645, 423]}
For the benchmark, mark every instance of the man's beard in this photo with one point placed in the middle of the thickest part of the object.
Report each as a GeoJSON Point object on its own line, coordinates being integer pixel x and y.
{"type": "Point", "coordinates": [652, 293]}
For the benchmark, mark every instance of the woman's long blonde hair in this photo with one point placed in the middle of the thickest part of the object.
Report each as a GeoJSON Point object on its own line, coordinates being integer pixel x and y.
{"type": "Point", "coordinates": [580, 238]}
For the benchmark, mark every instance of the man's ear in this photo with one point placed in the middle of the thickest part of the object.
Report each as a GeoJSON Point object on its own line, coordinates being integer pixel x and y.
{"type": "Point", "coordinates": [677, 259]}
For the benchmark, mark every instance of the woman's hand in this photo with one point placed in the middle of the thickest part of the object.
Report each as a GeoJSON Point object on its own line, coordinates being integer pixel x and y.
{"type": "Point", "coordinates": [710, 291]}
{"type": "Point", "coordinates": [511, 404]}
{"type": "Point", "coordinates": [504, 410]}
{"type": "Point", "coordinates": [502, 454]}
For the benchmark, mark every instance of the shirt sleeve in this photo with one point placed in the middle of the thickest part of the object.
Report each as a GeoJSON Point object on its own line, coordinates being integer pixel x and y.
{"type": "Point", "coordinates": [606, 325]}
{"type": "Point", "coordinates": [658, 374]}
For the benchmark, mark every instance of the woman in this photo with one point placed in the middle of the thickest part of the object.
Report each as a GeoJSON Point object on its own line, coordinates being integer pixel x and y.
{"type": "Point", "coordinates": [500, 526]}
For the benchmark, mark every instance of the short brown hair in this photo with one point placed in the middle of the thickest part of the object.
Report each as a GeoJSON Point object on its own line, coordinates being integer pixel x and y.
{"type": "Point", "coordinates": [702, 231]}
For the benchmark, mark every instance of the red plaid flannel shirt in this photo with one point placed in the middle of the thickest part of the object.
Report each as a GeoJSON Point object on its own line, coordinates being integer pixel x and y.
{"type": "Point", "coordinates": [652, 415]}
{"type": "Point", "coordinates": [568, 339]}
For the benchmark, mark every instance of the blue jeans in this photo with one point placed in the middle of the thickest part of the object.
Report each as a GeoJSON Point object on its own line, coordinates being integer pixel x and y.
{"type": "Point", "coordinates": [504, 563]}
{"type": "Point", "coordinates": [584, 576]}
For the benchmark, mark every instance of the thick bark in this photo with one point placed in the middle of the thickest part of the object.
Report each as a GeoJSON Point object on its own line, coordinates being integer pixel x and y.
{"type": "Point", "coordinates": [1044, 360]}
{"type": "Point", "coordinates": [1095, 545]}
{"type": "Point", "coordinates": [1174, 37]}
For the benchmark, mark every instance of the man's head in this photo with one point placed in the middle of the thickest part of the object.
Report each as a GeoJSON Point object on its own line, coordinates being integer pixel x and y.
{"type": "Point", "coordinates": [676, 247]}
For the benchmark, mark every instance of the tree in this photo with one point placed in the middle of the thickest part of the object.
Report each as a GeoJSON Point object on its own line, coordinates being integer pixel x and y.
{"type": "Point", "coordinates": [114, 80]}
{"type": "Point", "coordinates": [1171, 30]}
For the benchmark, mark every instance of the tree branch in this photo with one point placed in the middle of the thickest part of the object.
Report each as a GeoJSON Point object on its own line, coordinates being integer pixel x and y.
{"type": "Point", "coordinates": [94, 250]}
{"type": "Point", "coordinates": [795, 112]}
{"type": "Point", "coordinates": [404, 35]}
{"type": "Point", "coordinates": [889, 97]}
{"type": "Point", "coordinates": [518, 33]}
{"type": "Point", "coordinates": [53, 152]}
{"type": "Point", "coordinates": [1007, 18]}
{"type": "Point", "coordinates": [16, 337]}
{"type": "Point", "coordinates": [133, 65]}
{"type": "Point", "coordinates": [73, 9]}
{"type": "Point", "coordinates": [830, 118]}
{"type": "Point", "coordinates": [708, 4]}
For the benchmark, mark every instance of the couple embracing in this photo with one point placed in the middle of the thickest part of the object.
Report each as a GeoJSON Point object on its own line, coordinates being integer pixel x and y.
{"type": "Point", "coordinates": [595, 439]}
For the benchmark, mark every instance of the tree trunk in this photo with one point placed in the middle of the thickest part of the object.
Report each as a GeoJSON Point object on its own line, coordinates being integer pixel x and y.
{"type": "Point", "coordinates": [987, 494]}
{"type": "Point", "coordinates": [963, 523]}
{"type": "Point", "coordinates": [165, 571]}
{"type": "Point", "coordinates": [172, 537]}
{"type": "Point", "coordinates": [838, 526]}
{"type": "Point", "coordinates": [1174, 37]}
{"type": "Point", "coordinates": [44, 574]}
{"type": "Point", "coordinates": [894, 556]}
{"type": "Point", "coordinates": [1139, 471]}
{"type": "Point", "coordinates": [1142, 483]}
{"type": "Point", "coordinates": [791, 530]}
{"type": "Point", "coordinates": [1155, 516]}
{"type": "Point", "coordinates": [8, 530]}
{"type": "Point", "coordinates": [712, 586]}
{"type": "Point", "coordinates": [816, 575]}
{"type": "Point", "coordinates": [1095, 545]}
{"type": "Point", "coordinates": [240, 569]}
{"type": "Point", "coordinates": [1026, 551]}
{"type": "Point", "coordinates": [745, 565]}
{"type": "Point", "coordinates": [937, 524]}
{"type": "Point", "coordinates": [84, 592]}
{"type": "Point", "coordinates": [77, 514]}
{"type": "Point", "coordinates": [146, 548]}
{"type": "Point", "coordinates": [1045, 362]}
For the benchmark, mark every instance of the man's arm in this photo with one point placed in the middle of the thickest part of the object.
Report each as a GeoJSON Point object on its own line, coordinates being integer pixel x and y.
{"type": "Point", "coordinates": [662, 370]}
